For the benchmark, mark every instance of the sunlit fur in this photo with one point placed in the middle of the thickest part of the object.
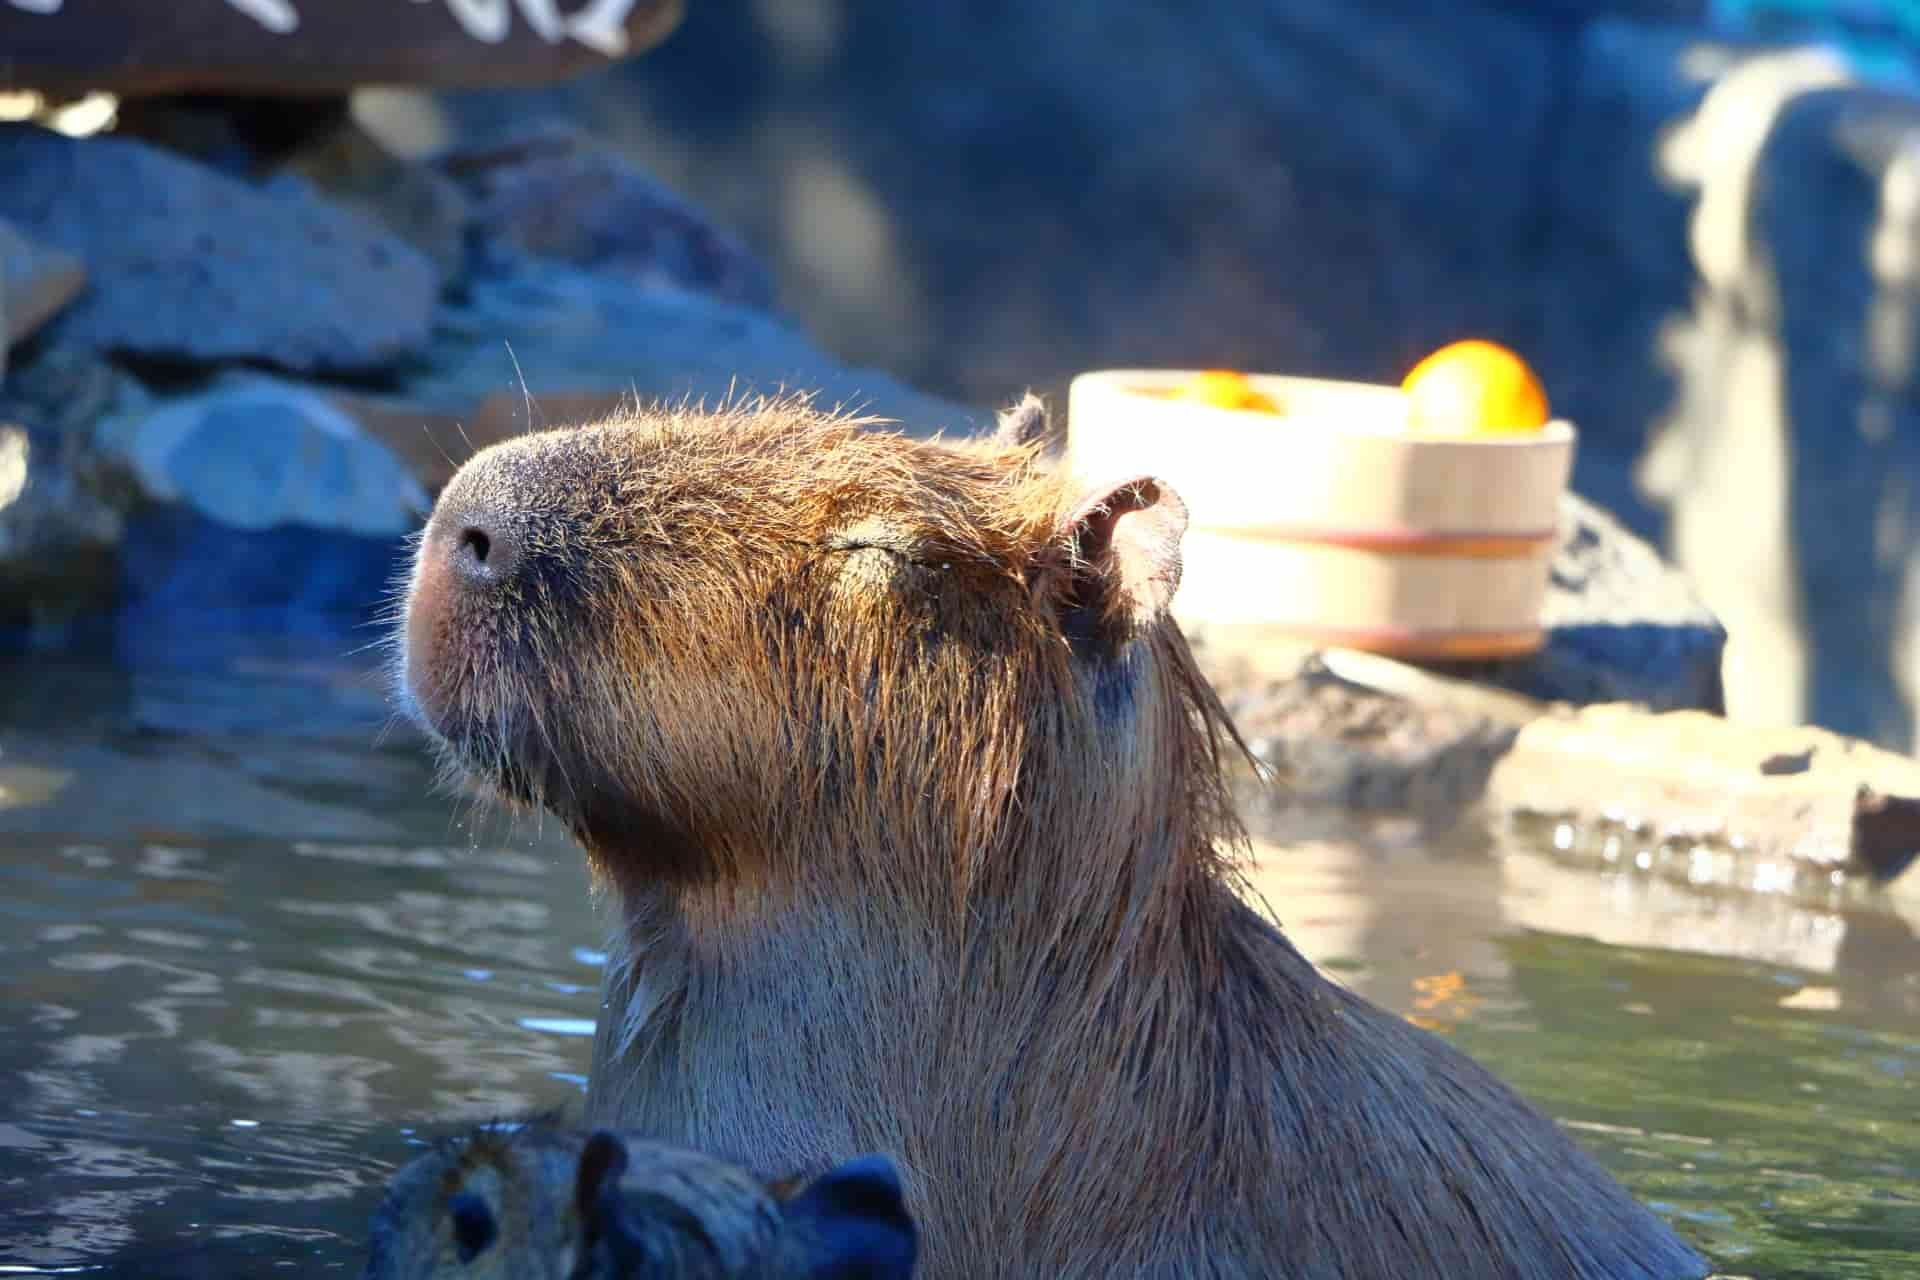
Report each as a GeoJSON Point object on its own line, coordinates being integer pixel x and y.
{"type": "Point", "coordinates": [917, 830]}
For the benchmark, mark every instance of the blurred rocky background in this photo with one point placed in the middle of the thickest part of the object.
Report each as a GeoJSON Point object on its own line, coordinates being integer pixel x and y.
{"type": "Point", "coordinates": [273, 268]}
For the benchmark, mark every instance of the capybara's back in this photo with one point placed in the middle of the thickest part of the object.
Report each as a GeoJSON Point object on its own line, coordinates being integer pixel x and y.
{"type": "Point", "coordinates": [914, 802]}
{"type": "Point", "coordinates": [534, 1201]}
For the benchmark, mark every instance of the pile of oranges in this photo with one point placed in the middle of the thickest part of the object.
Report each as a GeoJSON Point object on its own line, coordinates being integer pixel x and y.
{"type": "Point", "coordinates": [1473, 387]}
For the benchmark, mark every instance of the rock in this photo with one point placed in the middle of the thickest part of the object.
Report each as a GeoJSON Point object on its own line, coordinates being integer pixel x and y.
{"type": "Point", "coordinates": [1616, 270]}
{"type": "Point", "coordinates": [422, 207]}
{"type": "Point", "coordinates": [188, 264]}
{"type": "Point", "coordinates": [1791, 467]}
{"type": "Point", "coordinates": [35, 284]}
{"type": "Point", "coordinates": [63, 499]}
{"type": "Point", "coordinates": [433, 443]}
{"type": "Point", "coordinates": [986, 199]}
{"type": "Point", "coordinates": [263, 510]}
{"type": "Point", "coordinates": [547, 327]}
{"type": "Point", "coordinates": [1683, 793]}
{"type": "Point", "coordinates": [190, 587]}
{"type": "Point", "coordinates": [316, 140]}
{"type": "Point", "coordinates": [1698, 787]}
{"type": "Point", "coordinates": [555, 193]}
{"type": "Point", "coordinates": [255, 453]}
{"type": "Point", "coordinates": [1331, 742]}
{"type": "Point", "coordinates": [1846, 268]}
{"type": "Point", "coordinates": [298, 47]}
{"type": "Point", "coordinates": [1622, 626]}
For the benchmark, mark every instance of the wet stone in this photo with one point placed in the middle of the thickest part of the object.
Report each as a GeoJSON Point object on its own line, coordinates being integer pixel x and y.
{"type": "Point", "coordinates": [256, 453]}
{"type": "Point", "coordinates": [550, 191]}
{"type": "Point", "coordinates": [36, 283]}
{"type": "Point", "coordinates": [189, 264]}
{"type": "Point", "coordinates": [1622, 626]}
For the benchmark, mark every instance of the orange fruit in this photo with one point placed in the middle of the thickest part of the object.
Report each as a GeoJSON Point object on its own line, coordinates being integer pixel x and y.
{"type": "Point", "coordinates": [1474, 388]}
{"type": "Point", "coordinates": [1224, 389]}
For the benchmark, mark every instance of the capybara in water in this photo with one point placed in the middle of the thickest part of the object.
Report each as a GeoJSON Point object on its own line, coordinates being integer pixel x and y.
{"type": "Point", "coordinates": [534, 1201]}
{"type": "Point", "coordinates": [914, 804]}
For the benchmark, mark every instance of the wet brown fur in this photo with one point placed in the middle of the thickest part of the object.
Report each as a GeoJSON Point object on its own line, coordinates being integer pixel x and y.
{"type": "Point", "coordinates": [915, 812]}
{"type": "Point", "coordinates": [685, 1215]}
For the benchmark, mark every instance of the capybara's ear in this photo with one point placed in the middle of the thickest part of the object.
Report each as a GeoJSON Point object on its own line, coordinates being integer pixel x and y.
{"type": "Point", "coordinates": [854, 1222]}
{"type": "Point", "coordinates": [602, 1161]}
{"type": "Point", "coordinates": [1125, 540]}
{"type": "Point", "coordinates": [1024, 424]}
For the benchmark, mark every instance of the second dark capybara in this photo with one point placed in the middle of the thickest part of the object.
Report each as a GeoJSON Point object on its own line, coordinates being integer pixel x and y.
{"type": "Point", "coordinates": [914, 804]}
{"type": "Point", "coordinates": [532, 1200]}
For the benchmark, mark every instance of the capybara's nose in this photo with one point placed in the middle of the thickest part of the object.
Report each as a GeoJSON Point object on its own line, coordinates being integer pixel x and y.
{"type": "Point", "coordinates": [482, 551]}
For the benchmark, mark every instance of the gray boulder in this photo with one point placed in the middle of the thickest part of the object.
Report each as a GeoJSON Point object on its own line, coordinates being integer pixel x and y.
{"type": "Point", "coordinates": [63, 498]}
{"type": "Point", "coordinates": [188, 264]}
{"type": "Point", "coordinates": [252, 507]}
{"type": "Point", "coordinates": [1846, 271]}
{"type": "Point", "coordinates": [982, 199]}
{"type": "Point", "coordinates": [35, 284]}
{"type": "Point", "coordinates": [1790, 466]}
{"type": "Point", "coordinates": [255, 453]}
{"type": "Point", "coordinates": [1334, 744]}
{"type": "Point", "coordinates": [1615, 268]}
{"type": "Point", "coordinates": [554, 327]}
{"type": "Point", "coordinates": [553, 192]}
{"type": "Point", "coordinates": [424, 208]}
{"type": "Point", "coordinates": [1622, 626]}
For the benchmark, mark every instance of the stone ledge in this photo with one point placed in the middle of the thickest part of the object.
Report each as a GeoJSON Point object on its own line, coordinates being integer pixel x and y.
{"type": "Point", "coordinates": [1369, 735]}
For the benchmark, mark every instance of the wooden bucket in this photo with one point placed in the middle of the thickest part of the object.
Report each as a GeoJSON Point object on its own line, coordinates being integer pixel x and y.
{"type": "Point", "coordinates": [1330, 523]}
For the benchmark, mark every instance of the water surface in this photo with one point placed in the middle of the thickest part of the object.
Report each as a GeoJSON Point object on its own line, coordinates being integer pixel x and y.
{"type": "Point", "coordinates": [251, 956]}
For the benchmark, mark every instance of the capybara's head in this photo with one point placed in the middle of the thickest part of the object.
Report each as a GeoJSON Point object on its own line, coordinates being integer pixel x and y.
{"type": "Point", "coordinates": [532, 1201]}
{"type": "Point", "coordinates": [709, 639]}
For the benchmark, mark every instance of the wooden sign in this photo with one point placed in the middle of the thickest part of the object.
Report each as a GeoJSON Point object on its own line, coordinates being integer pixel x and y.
{"type": "Point", "coordinates": [299, 47]}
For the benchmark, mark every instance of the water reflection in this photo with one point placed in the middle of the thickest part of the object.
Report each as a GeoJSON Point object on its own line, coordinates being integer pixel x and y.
{"type": "Point", "coordinates": [1742, 1059]}
{"type": "Point", "coordinates": [252, 961]}
{"type": "Point", "coordinates": [246, 951]}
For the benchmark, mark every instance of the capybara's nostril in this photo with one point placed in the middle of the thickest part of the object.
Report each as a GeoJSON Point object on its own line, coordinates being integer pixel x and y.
{"type": "Point", "coordinates": [484, 552]}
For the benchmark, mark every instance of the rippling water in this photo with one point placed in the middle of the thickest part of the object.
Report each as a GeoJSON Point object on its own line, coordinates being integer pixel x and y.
{"type": "Point", "coordinates": [250, 956]}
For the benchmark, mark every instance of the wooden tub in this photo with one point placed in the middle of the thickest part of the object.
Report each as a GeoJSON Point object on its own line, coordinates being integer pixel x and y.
{"type": "Point", "coordinates": [1330, 523]}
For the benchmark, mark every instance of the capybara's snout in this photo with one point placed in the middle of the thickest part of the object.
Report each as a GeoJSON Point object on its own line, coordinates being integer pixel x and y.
{"type": "Point", "coordinates": [478, 549]}
{"type": "Point", "coordinates": [503, 534]}
{"type": "Point", "coordinates": [467, 564]}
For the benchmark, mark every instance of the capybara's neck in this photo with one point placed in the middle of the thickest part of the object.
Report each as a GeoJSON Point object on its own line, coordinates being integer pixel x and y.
{"type": "Point", "coordinates": [1052, 966]}
{"type": "Point", "coordinates": [1191, 1099]}
{"type": "Point", "coordinates": [779, 1027]}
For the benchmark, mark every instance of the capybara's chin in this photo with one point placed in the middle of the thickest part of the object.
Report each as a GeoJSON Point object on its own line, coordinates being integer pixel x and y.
{"type": "Point", "coordinates": [493, 649]}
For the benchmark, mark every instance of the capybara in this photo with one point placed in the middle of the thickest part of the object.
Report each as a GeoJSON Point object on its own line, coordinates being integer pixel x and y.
{"type": "Point", "coordinates": [531, 1200]}
{"type": "Point", "coordinates": [915, 807]}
